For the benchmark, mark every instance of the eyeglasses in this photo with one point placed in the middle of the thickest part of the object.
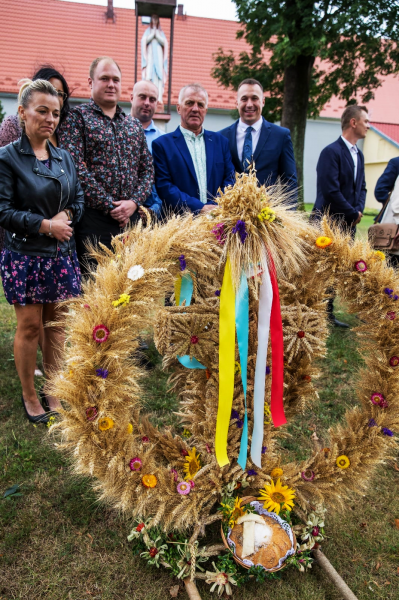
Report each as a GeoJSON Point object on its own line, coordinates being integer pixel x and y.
{"type": "Point", "coordinates": [62, 95]}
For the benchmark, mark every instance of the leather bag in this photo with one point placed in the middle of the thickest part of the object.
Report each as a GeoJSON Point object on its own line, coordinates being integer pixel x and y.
{"type": "Point", "coordinates": [384, 236]}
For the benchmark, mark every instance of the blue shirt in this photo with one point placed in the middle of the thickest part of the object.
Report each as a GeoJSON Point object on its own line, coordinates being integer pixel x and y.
{"type": "Point", "coordinates": [153, 201]}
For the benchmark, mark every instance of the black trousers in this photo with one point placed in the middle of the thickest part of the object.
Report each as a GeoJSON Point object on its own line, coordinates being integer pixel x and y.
{"type": "Point", "coordinates": [95, 226]}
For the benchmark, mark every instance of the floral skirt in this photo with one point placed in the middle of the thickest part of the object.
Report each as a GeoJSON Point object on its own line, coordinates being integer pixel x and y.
{"type": "Point", "coordinates": [39, 280]}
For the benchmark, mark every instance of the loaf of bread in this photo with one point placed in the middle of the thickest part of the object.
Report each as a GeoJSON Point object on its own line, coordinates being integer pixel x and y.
{"type": "Point", "coordinates": [268, 549]}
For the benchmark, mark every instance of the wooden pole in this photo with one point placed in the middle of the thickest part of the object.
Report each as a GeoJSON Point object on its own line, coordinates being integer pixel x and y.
{"type": "Point", "coordinates": [336, 579]}
{"type": "Point", "coordinates": [191, 589]}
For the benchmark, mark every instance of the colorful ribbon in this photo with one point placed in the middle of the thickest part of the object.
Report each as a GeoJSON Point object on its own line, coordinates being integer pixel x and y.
{"type": "Point", "coordinates": [184, 289]}
{"type": "Point", "coordinates": [264, 314]}
{"type": "Point", "coordinates": [190, 362]}
{"type": "Point", "coordinates": [242, 328]}
{"type": "Point", "coordinates": [226, 365]}
{"type": "Point", "coordinates": [277, 405]}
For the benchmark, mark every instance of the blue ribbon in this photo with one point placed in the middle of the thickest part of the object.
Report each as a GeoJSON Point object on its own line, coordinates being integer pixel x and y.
{"type": "Point", "coordinates": [190, 363]}
{"type": "Point", "coordinates": [186, 290]}
{"type": "Point", "coordinates": [242, 328]}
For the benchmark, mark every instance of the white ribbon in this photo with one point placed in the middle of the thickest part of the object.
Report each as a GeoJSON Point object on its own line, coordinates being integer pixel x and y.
{"type": "Point", "coordinates": [264, 312]}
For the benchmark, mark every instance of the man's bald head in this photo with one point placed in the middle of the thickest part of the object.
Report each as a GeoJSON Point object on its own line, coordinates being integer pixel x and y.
{"type": "Point", "coordinates": [144, 101]}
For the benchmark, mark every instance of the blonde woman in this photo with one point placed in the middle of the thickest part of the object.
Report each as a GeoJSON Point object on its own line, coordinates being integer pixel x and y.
{"type": "Point", "coordinates": [40, 202]}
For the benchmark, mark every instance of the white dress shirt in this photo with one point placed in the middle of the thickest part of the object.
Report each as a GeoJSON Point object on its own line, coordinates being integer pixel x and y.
{"type": "Point", "coordinates": [353, 149]}
{"type": "Point", "coordinates": [241, 131]}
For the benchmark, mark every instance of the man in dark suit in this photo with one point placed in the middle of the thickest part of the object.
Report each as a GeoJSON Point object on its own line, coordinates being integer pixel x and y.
{"type": "Point", "coordinates": [191, 164]}
{"type": "Point", "coordinates": [252, 139]}
{"type": "Point", "coordinates": [386, 182]}
{"type": "Point", "coordinates": [341, 183]}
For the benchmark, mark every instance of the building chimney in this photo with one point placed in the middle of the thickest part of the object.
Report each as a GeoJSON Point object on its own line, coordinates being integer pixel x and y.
{"type": "Point", "coordinates": [110, 15]}
{"type": "Point", "coordinates": [180, 8]}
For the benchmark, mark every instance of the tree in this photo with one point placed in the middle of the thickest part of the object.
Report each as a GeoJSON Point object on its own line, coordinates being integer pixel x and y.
{"type": "Point", "coordinates": [2, 113]}
{"type": "Point", "coordinates": [304, 52]}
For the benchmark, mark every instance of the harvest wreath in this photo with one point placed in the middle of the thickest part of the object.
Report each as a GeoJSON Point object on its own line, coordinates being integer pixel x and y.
{"type": "Point", "coordinates": [249, 319]}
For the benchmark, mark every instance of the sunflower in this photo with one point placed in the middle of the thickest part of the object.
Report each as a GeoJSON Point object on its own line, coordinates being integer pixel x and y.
{"type": "Point", "coordinates": [277, 497]}
{"type": "Point", "coordinates": [237, 511]}
{"type": "Point", "coordinates": [323, 241]}
{"type": "Point", "coordinates": [192, 464]}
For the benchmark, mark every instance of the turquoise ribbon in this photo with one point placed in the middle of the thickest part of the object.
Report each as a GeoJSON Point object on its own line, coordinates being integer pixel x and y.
{"type": "Point", "coordinates": [186, 293]}
{"type": "Point", "coordinates": [190, 363]}
{"type": "Point", "coordinates": [242, 328]}
{"type": "Point", "coordinates": [186, 290]}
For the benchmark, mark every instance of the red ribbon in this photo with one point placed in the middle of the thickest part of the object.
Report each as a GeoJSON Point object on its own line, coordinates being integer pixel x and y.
{"type": "Point", "coordinates": [277, 343]}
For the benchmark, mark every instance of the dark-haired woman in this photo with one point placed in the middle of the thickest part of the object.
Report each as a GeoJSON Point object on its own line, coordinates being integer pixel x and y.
{"type": "Point", "coordinates": [40, 201]}
{"type": "Point", "coordinates": [10, 128]}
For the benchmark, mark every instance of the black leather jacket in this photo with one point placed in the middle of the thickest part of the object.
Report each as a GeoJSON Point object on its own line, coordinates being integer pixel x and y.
{"type": "Point", "coordinates": [30, 192]}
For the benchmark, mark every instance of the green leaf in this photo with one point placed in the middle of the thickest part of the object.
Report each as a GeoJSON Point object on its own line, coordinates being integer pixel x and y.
{"type": "Point", "coordinates": [12, 491]}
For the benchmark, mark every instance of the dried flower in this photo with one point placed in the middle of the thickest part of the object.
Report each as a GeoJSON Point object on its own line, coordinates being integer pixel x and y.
{"type": "Point", "coordinates": [219, 233]}
{"type": "Point", "coordinates": [387, 431]}
{"type": "Point", "coordinates": [308, 475]}
{"type": "Point", "coordinates": [194, 339]}
{"type": "Point", "coordinates": [123, 300]}
{"type": "Point", "coordinates": [343, 462]}
{"type": "Point", "coordinates": [186, 433]}
{"type": "Point", "coordinates": [239, 423]}
{"type": "Point", "coordinates": [267, 214]}
{"type": "Point", "coordinates": [105, 423]}
{"type": "Point", "coordinates": [361, 266]}
{"type": "Point", "coordinates": [378, 254]}
{"type": "Point", "coordinates": [267, 370]}
{"type": "Point", "coordinates": [129, 428]}
{"type": "Point", "coordinates": [183, 488]}
{"type": "Point", "coordinates": [139, 527]}
{"type": "Point", "coordinates": [136, 272]}
{"type": "Point", "coordinates": [264, 448]}
{"type": "Point", "coordinates": [103, 373]}
{"type": "Point", "coordinates": [153, 551]}
{"type": "Point", "coordinates": [237, 368]}
{"type": "Point", "coordinates": [87, 306]}
{"type": "Point", "coordinates": [182, 262]}
{"type": "Point", "coordinates": [394, 361]}
{"type": "Point", "coordinates": [240, 228]}
{"type": "Point", "coordinates": [388, 291]}
{"type": "Point", "coordinates": [372, 423]}
{"type": "Point", "coordinates": [149, 481]}
{"type": "Point", "coordinates": [276, 473]}
{"type": "Point", "coordinates": [183, 452]}
{"type": "Point", "coordinates": [220, 580]}
{"type": "Point", "coordinates": [100, 333]}
{"type": "Point", "coordinates": [207, 373]}
{"type": "Point", "coordinates": [323, 241]}
{"type": "Point", "coordinates": [174, 473]}
{"type": "Point", "coordinates": [91, 413]}
{"type": "Point", "coordinates": [217, 293]}
{"type": "Point", "coordinates": [306, 378]}
{"type": "Point", "coordinates": [135, 464]}
{"type": "Point", "coordinates": [301, 334]}
{"type": "Point", "coordinates": [391, 315]}
{"type": "Point", "coordinates": [192, 484]}
{"type": "Point", "coordinates": [235, 414]}
{"type": "Point", "coordinates": [251, 473]}
{"type": "Point", "coordinates": [378, 400]}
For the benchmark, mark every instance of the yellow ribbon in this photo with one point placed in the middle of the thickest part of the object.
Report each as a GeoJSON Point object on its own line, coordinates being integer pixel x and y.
{"type": "Point", "coordinates": [226, 365]}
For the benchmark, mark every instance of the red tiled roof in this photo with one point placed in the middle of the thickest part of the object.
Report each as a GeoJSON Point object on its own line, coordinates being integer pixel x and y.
{"type": "Point", "coordinates": [69, 35]}
{"type": "Point", "coordinates": [389, 129]}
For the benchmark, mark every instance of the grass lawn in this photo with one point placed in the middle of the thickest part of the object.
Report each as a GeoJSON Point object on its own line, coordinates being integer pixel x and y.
{"type": "Point", "coordinates": [58, 543]}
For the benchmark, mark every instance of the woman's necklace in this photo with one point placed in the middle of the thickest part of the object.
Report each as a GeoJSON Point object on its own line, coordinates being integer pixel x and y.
{"type": "Point", "coordinates": [44, 155]}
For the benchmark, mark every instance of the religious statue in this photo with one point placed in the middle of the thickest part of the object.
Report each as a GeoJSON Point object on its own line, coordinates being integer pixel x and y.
{"type": "Point", "coordinates": [154, 57]}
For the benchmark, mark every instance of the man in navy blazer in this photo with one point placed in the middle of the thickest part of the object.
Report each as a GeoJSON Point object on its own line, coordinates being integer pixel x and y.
{"type": "Point", "coordinates": [191, 164]}
{"type": "Point", "coordinates": [253, 140]}
{"type": "Point", "coordinates": [341, 183]}
{"type": "Point", "coordinates": [386, 182]}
